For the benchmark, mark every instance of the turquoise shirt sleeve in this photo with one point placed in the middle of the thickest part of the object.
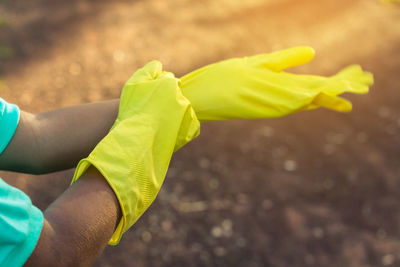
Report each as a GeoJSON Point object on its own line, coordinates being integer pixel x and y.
{"type": "Point", "coordinates": [20, 221]}
{"type": "Point", "coordinates": [20, 226]}
{"type": "Point", "coordinates": [9, 118]}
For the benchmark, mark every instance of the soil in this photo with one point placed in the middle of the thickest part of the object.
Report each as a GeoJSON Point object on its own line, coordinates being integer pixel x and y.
{"type": "Point", "coordinates": [316, 188]}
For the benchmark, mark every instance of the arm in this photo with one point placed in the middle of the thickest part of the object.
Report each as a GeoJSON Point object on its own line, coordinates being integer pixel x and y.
{"type": "Point", "coordinates": [36, 146]}
{"type": "Point", "coordinates": [97, 206]}
{"type": "Point", "coordinates": [133, 158]}
{"type": "Point", "coordinates": [78, 225]}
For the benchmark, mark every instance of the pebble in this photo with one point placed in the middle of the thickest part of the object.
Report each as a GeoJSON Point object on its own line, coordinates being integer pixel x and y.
{"type": "Point", "coordinates": [220, 251]}
{"type": "Point", "coordinates": [221, 204]}
{"type": "Point", "coordinates": [204, 163]}
{"type": "Point", "coordinates": [216, 231]}
{"type": "Point", "coordinates": [119, 56]}
{"type": "Point", "coordinates": [166, 225]}
{"type": "Point", "coordinates": [267, 204]}
{"type": "Point", "coordinates": [213, 184]}
{"type": "Point", "coordinates": [267, 131]}
{"type": "Point", "coordinates": [335, 138]}
{"type": "Point", "coordinates": [197, 206]}
{"type": "Point", "coordinates": [242, 198]}
{"type": "Point", "coordinates": [279, 152]}
{"type": "Point", "coordinates": [153, 219]}
{"type": "Point", "coordinates": [290, 165]}
{"type": "Point", "coordinates": [245, 148]}
{"type": "Point", "coordinates": [352, 175]}
{"type": "Point", "coordinates": [318, 232]}
{"type": "Point", "coordinates": [227, 228]}
{"type": "Point", "coordinates": [146, 237]}
{"type": "Point", "coordinates": [384, 112]}
{"type": "Point", "coordinates": [388, 259]}
{"type": "Point", "coordinates": [227, 225]}
{"type": "Point", "coordinates": [329, 149]}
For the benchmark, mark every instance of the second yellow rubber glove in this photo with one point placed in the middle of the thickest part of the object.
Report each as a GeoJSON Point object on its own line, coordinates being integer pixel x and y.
{"type": "Point", "coordinates": [154, 120]}
{"type": "Point", "coordinates": [256, 87]}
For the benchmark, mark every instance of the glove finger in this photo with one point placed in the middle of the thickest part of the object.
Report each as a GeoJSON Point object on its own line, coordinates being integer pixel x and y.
{"type": "Point", "coordinates": [137, 89]}
{"type": "Point", "coordinates": [354, 73]}
{"type": "Point", "coordinates": [332, 102]}
{"type": "Point", "coordinates": [351, 79]}
{"type": "Point", "coordinates": [148, 72]}
{"type": "Point", "coordinates": [357, 88]}
{"type": "Point", "coordinates": [283, 59]}
{"type": "Point", "coordinates": [342, 86]}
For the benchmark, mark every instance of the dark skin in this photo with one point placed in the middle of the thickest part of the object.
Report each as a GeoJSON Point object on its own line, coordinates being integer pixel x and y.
{"type": "Point", "coordinates": [78, 224]}
{"type": "Point", "coordinates": [36, 147]}
{"type": "Point", "coordinates": [75, 230]}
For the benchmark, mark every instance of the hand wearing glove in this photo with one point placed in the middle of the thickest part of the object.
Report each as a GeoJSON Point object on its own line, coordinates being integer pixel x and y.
{"type": "Point", "coordinates": [154, 120]}
{"type": "Point", "coordinates": [256, 87]}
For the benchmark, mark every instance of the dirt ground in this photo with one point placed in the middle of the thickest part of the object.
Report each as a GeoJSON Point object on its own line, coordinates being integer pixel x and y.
{"type": "Point", "coordinates": [312, 189]}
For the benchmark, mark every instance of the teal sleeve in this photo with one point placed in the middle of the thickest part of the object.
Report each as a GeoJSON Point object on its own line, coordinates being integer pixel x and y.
{"type": "Point", "coordinates": [20, 226]}
{"type": "Point", "coordinates": [9, 117]}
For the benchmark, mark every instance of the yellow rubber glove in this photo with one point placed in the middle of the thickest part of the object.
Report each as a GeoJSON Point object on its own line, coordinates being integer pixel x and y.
{"type": "Point", "coordinates": [154, 120]}
{"type": "Point", "coordinates": [256, 87]}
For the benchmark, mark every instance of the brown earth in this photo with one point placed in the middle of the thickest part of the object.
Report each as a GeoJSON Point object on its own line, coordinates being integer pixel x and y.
{"type": "Point", "coordinates": [313, 189]}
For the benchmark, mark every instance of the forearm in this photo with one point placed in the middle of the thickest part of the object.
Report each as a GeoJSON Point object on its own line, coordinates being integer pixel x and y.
{"type": "Point", "coordinates": [78, 224]}
{"type": "Point", "coordinates": [67, 135]}
{"type": "Point", "coordinates": [58, 139]}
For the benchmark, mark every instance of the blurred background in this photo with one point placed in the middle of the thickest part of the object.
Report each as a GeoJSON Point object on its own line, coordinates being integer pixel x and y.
{"type": "Point", "coordinates": [316, 188]}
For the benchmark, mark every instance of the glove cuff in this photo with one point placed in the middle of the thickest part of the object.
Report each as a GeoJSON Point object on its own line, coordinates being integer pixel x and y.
{"type": "Point", "coordinates": [132, 175]}
{"type": "Point", "coordinates": [83, 165]}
